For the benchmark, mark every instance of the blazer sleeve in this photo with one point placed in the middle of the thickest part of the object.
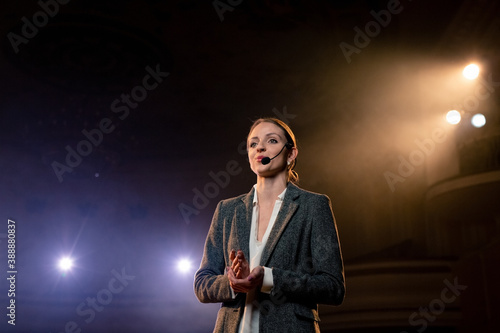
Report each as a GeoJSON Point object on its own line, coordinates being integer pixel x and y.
{"type": "Point", "coordinates": [321, 278]}
{"type": "Point", "coordinates": [211, 284]}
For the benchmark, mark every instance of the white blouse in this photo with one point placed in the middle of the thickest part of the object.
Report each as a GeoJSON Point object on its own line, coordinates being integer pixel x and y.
{"type": "Point", "coordinates": [250, 321]}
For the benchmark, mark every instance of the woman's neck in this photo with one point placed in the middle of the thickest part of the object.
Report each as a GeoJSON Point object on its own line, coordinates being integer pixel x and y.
{"type": "Point", "coordinates": [268, 188]}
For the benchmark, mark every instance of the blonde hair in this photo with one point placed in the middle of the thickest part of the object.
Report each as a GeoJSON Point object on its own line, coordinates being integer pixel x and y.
{"type": "Point", "coordinates": [293, 176]}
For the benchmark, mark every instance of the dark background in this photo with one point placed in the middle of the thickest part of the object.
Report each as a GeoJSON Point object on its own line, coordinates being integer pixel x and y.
{"type": "Point", "coordinates": [357, 119]}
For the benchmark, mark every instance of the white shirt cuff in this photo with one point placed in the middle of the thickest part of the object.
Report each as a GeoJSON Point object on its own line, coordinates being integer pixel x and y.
{"type": "Point", "coordinates": [267, 283]}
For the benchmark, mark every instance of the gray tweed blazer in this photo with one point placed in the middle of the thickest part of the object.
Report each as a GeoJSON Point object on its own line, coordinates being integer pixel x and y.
{"type": "Point", "coordinates": [303, 251]}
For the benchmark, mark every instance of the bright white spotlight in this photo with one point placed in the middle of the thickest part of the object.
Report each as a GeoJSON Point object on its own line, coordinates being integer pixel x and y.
{"type": "Point", "coordinates": [453, 117]}
{"type": "Point", "coordinates": [471, 72]}
{"type": "Point", "coordinates": [478, 120]}
{"type": "Point", "coordinates": [184, 265]}
{"type": "Point", "coordinates": [65, 264]}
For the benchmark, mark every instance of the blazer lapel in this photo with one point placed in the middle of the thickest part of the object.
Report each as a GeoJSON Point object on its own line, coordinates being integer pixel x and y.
{"type": "Point", "coordinates": [288, 208]}
{"type": "Point", "coordinates": [244, 222]}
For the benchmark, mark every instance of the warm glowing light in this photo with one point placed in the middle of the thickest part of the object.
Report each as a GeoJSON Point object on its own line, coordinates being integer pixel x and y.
{"type": "Point", "coordinates": [184, 265]}
{"type": "Point", "coordinates": [478, 120]}
{"type": "Point", "coordinates": [453, 117]}
{"type": "Point", "coordinates": [471, 72]}
{"type": "Point", "coordinates": [65, 264]}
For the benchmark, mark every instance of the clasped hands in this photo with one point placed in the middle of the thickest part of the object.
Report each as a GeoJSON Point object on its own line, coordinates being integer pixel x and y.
{"type": "Point", "coordinates": [240, 277]}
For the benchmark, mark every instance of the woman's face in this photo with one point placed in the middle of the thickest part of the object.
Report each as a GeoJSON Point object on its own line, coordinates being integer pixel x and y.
{"type": "Point", "coordinates": [266, 140]}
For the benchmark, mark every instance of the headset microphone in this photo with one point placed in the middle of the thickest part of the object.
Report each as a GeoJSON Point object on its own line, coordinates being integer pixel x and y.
{"type": "Point", "coordinates": [267, 160]}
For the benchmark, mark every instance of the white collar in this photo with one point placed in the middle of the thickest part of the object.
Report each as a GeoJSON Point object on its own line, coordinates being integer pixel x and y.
{"type": "Point", "coordinates": [281, 196]}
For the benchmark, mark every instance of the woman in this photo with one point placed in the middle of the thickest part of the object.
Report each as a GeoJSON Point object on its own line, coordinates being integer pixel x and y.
{"type": "Point", "coordinates": [272, 255]}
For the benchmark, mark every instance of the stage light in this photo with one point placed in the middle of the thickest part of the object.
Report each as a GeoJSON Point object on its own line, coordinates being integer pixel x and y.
{"type": "Point", "coordinates": [184, 265]}
{"type": "Point", "coordinates": [453, 117]}
{"type": "Point", "coordinates": [471, 72]}
{"type": "Point", "coordinates": [65, 264]}
{"type": "Point", "coordinates": [478, 120]}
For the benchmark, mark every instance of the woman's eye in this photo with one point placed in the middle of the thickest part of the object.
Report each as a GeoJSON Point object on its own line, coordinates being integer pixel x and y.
{"type": "Point", "coordinates": [273, 141]}
{"type": "Point", "coordinates": [252, 144]}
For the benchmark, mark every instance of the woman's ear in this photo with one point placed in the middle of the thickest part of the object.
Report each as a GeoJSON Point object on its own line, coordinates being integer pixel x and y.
{"type": "Point", "coordinates": [293, 153]}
